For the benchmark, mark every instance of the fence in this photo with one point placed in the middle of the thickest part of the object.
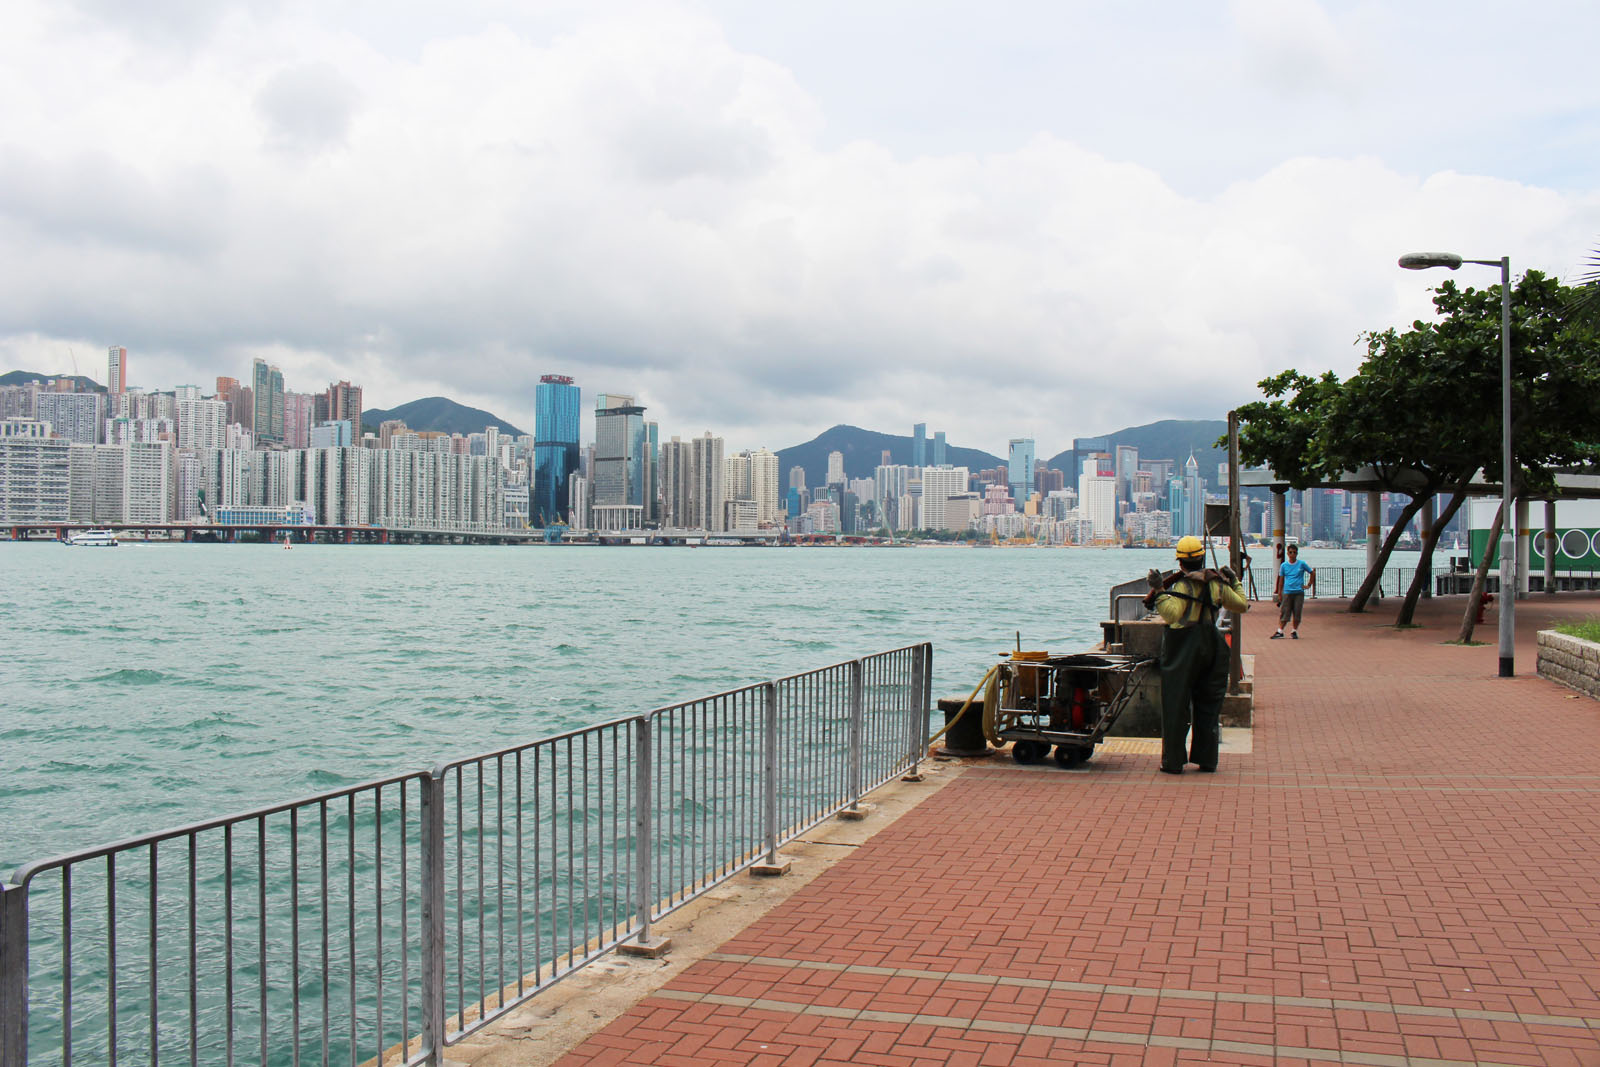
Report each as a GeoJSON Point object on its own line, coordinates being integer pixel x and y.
{"type": "Point", "coordinates": [1344, 581]}
{"type": "Point", "coordinates": [401, 915]}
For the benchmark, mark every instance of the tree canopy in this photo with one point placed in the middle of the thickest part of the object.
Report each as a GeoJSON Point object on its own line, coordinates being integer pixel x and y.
{"type": "Point", "coordinates": [1423, 410]}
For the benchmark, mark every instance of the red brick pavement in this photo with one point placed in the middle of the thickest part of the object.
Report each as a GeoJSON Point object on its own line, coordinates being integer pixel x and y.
{"type": "Point", "coordinates": [1404, 871]}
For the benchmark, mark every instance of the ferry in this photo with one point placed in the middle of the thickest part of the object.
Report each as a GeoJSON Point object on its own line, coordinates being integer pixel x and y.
{"type": "Point", "coordinates": [91, 539]}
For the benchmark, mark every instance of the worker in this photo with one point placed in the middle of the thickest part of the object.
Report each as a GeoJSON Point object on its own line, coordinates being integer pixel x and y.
{"type": "Point", "coordinates": [1194, 657]}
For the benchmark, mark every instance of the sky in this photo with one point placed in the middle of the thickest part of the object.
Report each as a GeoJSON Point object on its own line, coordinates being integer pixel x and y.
{"type": "Point", "coordinates": [1008, 219]}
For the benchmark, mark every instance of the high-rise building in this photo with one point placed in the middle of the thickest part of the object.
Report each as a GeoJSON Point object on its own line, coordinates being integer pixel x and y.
{"type": "Point", "coordinates": [835, 468]}
{"type": "Point", "coordinates": [117, 370]}
{"type": "Point", "coordinates": [1127, 466]}
{"type": "Point", "coordinates": [919, 445]}
{"type": "Point", "coordinates": [938, 448]}
{"type": "Point", "coordinates": [620, 470]}
{"type": "Point", "coordinates": [266, 384]}
{"type": "Point", "coordinates": [677, 483]}
{"type": "Point", "coordinates": [78, 417]}
{"type": "Point", "coordinates": [764, 485]}
{"type": "Point", "coordinates": [555, 447]}
{"type": "Point", "coordinates": [340, 400]}
{"type": "Point", "coordinates": [797, 477]}
{"type": "Point", "coordinates": [707, 495]}
{"type": "Point", "coordinates": [940, 485]}
{"type": "Point", "coordinates": [1097, 499]}
{"type": "Point", "coordinates": [1019, 469]}
{"type": "Point", "coordinates": [202, 424]}
{"type": "Point", "coordinates": [1194, 500]}
{"type": "Point", "coordinates": [299, 411]}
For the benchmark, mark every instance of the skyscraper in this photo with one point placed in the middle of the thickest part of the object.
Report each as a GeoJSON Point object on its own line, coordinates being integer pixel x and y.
{"type": "Point", "coordinates": [1019, 469]}
{"type": "Point", "coordinates": [677, 483]}
{"type": "Point", "coordinates": [555, 447]}
{"type": "Point", "coordinates": [267, 391]}
{"type": "Point", "coordinates": [620, 470]}
{"type": "Point", "coordinates": [938, 449]}
{"type": "Point", "coordinates": [919, 445]}
{"type": "Point", "coordinates": [117, 370]}
{"type": "Point", "coordinates": [1097, 499]}
{"type": "Point", "coordinates": [835, 468]}
{"type": "Point", "coordinates": [707, 495]}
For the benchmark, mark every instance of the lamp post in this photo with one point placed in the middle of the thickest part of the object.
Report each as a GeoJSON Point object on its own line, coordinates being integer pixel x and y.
{"type": "Point", "coordinates": [1508, 535]}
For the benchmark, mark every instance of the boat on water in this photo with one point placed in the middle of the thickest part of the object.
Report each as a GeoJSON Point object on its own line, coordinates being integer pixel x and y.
{"type": "Point", "coordinates": [91, 539]}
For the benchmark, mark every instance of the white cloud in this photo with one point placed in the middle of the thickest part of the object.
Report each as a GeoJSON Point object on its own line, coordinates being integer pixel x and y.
{"type": "Point", "coordinates": [460, 206]}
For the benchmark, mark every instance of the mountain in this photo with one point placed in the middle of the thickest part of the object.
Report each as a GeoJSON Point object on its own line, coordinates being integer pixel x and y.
{"type": "Point", "coordinates": [863, 451]}
{"type": "Point", "coordinates": [1170, 439]}
{"type": "Point", "coordinates": [23, 377]}
{"type": "Point", "coordinates": [439, 414]}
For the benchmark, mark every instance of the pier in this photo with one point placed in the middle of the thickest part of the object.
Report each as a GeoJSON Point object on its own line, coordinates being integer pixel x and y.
{"type": "Point", "coordinates": [1399, 871]}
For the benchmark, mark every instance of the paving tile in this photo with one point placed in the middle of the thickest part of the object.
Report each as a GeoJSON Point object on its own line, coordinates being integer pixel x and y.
{"type": "Point", "coordinates": [1392, 871]}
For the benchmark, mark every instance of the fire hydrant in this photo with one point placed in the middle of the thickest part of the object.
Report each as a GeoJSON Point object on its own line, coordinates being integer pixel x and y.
{"type": "Point", "coordinates": [1484, 600]}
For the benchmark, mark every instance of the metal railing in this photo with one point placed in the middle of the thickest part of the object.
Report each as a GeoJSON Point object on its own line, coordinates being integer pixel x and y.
{"type": "Point", "coordinates": [1345, 581]}
{"type": "Point", "coordinates": [401, 915]}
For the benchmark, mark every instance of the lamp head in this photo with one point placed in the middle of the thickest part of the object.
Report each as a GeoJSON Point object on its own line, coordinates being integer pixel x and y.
{"type": "Point", "coordinates": [1424, 260]}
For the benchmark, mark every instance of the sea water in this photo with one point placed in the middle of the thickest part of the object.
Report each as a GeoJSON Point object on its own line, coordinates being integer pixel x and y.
{"type": "Point", "coordinates": [155, 685]}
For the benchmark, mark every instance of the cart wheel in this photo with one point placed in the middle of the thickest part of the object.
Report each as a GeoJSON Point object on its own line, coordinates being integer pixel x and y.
{"type": "Point", "coordinates": [1028, 751]}
{"type": "Point", "coordinates": [1069, 755]}
{"type": "Point", "coordinates": [1086, 754]}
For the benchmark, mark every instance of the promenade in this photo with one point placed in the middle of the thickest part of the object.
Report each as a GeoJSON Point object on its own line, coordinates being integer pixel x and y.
{"type": "Point", "coordinates": [1403, 870]}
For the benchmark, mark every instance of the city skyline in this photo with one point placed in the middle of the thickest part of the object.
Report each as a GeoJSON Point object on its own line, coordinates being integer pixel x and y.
{"type": "Point", "coordinates": [740, 215]}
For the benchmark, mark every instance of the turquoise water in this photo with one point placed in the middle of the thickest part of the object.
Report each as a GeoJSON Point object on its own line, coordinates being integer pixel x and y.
{"type": "Point", "coordinates": [156, 685]}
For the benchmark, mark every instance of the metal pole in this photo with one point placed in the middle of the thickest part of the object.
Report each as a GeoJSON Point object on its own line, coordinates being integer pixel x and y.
{"type": "Point", "coordinates": [769, 772]}
{"type": "Point", "coordinates": [644, 853]}
{"type": "Point", "coordinates": [1551, 546]}
{"type": "Point", "coordinates": [1235, 552]}
{"type": "Point", "coordinates": [433, 944]}
{"type": "Point", "coordinates": [857, 722]}
{"type": "Point", "coordinates": [13, 976]}
{"type": "Point", "coordinates": [918, 725]}
{"type": "Point", "coordinates": [1508, 538]}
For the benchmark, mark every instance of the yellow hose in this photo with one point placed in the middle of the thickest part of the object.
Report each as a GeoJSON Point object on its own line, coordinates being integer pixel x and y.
{"type": "Point", "coordinates": [988, 715]}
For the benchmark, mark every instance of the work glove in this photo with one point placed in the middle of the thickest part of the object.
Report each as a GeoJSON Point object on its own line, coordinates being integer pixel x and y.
{"type": "Point", "coordinates": [1154, 578]}
{"type": "Point", "coordinates": [1228, 575]}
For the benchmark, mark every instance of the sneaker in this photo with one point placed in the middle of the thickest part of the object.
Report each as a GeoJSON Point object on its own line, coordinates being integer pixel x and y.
{"type": "Point", "coordinates": [1295, 635]}
{"type": "Point", "coordinates": [1277, 636]}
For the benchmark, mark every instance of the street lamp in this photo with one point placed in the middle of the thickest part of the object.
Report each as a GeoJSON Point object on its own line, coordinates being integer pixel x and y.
{"type": "Point", "coordinates": [1508, 536]}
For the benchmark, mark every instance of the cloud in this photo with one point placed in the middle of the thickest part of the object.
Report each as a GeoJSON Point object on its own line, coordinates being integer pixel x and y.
{"type": "Point", "coordinates": [1294, 46]}
{"type": "Point", "coordinates": [458, 205]}
{"type": "Point", "coordinates": [307, 108]}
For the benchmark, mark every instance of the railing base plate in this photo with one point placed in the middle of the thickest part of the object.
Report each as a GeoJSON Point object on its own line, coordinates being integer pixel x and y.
{"type": "Point", "coordinates": [857, 813]}
{"type": "Point", "coordinates": [771, 870]}
{"type": "Point", "coordinates": [650, 948]}
{"type": "Point", "coordinates": [913, 776]}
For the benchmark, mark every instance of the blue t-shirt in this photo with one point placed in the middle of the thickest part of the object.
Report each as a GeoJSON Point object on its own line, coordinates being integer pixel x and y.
{"type": "Point", "coordinates": [1294, 576]}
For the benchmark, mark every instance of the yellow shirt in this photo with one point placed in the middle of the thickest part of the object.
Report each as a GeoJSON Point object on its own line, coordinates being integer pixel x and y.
{"type": "Point", "coordinates": [1181, 614]}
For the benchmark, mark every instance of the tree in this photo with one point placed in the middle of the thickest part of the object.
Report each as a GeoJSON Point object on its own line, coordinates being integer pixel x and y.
{"type": "Point", "coordinates": [1423, 411]}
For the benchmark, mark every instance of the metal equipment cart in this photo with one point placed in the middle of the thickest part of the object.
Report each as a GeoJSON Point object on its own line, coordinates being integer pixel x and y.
{"type": "Point", "coordinates": [1065, 701]}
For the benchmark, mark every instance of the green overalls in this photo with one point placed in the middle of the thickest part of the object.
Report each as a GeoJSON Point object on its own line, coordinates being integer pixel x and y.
{"type": "Point", "coordinates": [1194, 666]}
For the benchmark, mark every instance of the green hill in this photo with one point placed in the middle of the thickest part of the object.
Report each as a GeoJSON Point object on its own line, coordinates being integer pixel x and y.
{"type": "Point", "coordinates": [23, 377]}
{"type": "Point", "coordinates": [439, 414]}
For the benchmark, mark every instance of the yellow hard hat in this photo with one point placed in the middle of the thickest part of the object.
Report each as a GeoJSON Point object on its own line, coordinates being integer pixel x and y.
{"type": "Point", "coordinates": [1190, 548]}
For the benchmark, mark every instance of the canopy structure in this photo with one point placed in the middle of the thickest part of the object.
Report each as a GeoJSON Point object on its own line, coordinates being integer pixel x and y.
{"type": "Point", "coordinates": [1570, 485]}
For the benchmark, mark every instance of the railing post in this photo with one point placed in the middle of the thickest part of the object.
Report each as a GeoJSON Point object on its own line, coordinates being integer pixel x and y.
{"type": "Point", "coordinates": [433, 946]}
{"type": "Point", "coordinates": [773, 864]}
{"type": "Point", "coordinates": [646, 944]}
{"type": "Point", "coordinates": [857, 722]}
{"type": "Point", "coordinates": [917, 728]}
{"type": "Point", "coordinates": [13, 975]}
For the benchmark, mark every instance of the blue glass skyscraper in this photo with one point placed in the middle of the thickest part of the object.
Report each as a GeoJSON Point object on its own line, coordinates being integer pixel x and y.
{"type": "Point", "coordinates": [919, 445]}
{"type": "Point", "coordinates": [555, 448]}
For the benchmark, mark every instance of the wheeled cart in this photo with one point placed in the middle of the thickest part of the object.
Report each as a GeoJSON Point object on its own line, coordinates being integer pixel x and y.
{"type": "Point", "coordinates": [1068, 702]}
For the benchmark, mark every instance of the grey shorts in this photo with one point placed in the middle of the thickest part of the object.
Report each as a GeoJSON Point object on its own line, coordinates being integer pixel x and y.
{"type": "Point", "coordinates": [1290, 608]}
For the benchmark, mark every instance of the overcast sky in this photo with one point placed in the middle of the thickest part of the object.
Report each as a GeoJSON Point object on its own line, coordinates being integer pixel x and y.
{"type": "Point", "coordinates": [1045, 219]}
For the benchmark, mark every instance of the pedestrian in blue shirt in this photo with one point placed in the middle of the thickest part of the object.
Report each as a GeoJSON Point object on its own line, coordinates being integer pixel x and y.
{"type": "Point", "coordinates": [1291, 592]}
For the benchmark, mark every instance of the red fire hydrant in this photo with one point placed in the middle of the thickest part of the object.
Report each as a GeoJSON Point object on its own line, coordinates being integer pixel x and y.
{"type": "Point", "coordinates": [1484, 600]}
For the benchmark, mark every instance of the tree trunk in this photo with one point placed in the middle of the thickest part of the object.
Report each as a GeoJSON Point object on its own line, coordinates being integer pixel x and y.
{"type": "Point", "coordinates": [1470, 618]}
{"type": "Point", "coordinates": [1358, 603]}
{"type": "Point", "coordinates": [1424, 573]}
